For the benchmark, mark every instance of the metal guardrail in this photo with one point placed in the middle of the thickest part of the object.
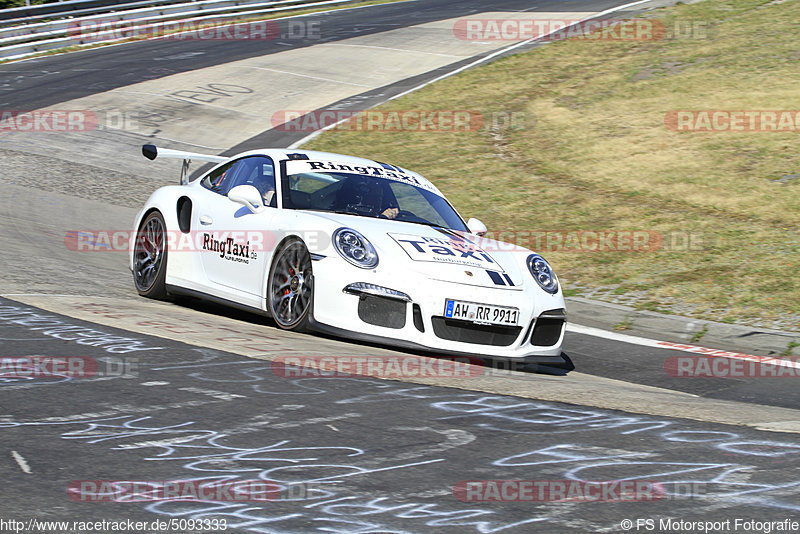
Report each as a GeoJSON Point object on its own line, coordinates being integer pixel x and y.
{"type": "Point", "coordinates": [71, 8]}
{"type": "Point", "coordinates": [38, 29]}
{"type": "Point", "coordinates": [26, 39]}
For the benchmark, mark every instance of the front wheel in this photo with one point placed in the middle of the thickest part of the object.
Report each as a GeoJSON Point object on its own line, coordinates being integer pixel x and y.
{"type": "Point", "coordinates": [291, 286]}
{"type": "Point", "coordinates": [150, 257]}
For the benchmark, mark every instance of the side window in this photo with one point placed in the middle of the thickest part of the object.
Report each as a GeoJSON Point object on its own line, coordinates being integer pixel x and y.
{"type": "Point", "coordinates": [258, 171]}
{"type": "Point", "coordinates": [219, 179]}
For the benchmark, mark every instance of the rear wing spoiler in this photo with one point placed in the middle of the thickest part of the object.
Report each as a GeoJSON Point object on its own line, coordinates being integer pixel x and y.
{"type": "Point", "coordinates": [151, 152]}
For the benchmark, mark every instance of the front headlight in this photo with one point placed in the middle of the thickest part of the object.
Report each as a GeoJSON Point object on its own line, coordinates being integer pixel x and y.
{"type": "Point", "coordinates": [355, 248]}
{"type": "Point", "coordinates": [542, 273]}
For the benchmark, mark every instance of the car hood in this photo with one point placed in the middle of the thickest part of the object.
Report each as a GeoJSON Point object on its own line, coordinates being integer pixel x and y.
{"type": "Point", "coordinates": [439, 254]}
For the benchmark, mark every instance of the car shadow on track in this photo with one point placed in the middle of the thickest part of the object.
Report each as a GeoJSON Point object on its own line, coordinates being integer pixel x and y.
{"type": "Point", "coordinates": [254, 318]}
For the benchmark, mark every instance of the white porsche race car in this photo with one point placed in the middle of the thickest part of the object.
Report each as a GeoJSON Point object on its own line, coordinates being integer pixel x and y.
{"type": "Point", "coordinates": [347, 246]}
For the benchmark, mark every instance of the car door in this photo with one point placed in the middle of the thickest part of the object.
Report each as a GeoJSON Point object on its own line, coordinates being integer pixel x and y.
{"type": "Point", "coordinates": [234, 243]}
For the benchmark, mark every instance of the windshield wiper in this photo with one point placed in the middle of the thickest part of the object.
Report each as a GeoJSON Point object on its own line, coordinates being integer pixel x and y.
{"type": "Point", "coordinates": [423, 223]}
{"type": "Point", "coordinates": [433, 225]}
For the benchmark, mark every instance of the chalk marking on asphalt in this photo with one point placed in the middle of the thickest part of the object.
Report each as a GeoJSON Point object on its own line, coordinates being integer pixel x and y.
{"type": "Point", "coordinates": [187, 100]}
{"type": "Point", "coordinates": [170, 367]}
{"type": "Point", "coordinates": [334, 477]}
{"type": "Point", "coordinates": [683, 347]}
{"type": "Point", "coordinates": [484, 59]}
{"type": "Point", "coordinates": [21, 462]}
{"type": "Point", "coordinates": [163, 442]}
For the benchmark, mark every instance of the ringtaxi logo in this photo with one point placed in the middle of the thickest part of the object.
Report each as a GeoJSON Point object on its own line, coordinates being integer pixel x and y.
{"type": "Point", "coordinates": [173, 490]}
{"type": "Point", "coordinates": [733, 121]}
{"type": "Point", "coordinates": [225, 243]}
{"type": "Point", "coordinates": [390, 367]}
{"type": "Point", "coordinates": [558, 491]}
{"type": "Point", "coordinates": [77, 120]}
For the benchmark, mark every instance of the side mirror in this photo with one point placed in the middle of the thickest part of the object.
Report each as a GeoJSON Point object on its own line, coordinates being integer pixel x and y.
{"type": "Point", "coordinates": [476, 227]}
{"type": "Point", "coordinates": [247, 195]}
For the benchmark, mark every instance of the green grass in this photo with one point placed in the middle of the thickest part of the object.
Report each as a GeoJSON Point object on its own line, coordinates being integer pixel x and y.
{"type": "Point", "coordinates": [588, 150]}
{"type": "Point", "coordinates": [790, 347]}
{"type": "Point", "coordinates": [7, 4]}
{"type": "Point", "coordinates": [625, 324]}
{"type": "Point", "coordinates": [700, 333]}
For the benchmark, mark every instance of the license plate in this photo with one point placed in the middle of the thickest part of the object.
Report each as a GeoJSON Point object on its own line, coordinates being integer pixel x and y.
{"type": "Point", "coordinates": [481, 313]}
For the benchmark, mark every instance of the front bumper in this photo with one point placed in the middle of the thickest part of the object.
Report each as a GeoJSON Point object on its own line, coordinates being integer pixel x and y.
{"type": "Point", "coordinates": [419, 323]}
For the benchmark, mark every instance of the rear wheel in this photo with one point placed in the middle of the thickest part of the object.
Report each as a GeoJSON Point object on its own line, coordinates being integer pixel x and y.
{"type": "Point", "coordinates": [150, 257]}
{"type": "Point", "coordinates": [291, 286]}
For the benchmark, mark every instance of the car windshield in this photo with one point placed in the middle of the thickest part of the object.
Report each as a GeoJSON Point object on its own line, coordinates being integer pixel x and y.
{"type": "Point", "coordinates": [369, 196]}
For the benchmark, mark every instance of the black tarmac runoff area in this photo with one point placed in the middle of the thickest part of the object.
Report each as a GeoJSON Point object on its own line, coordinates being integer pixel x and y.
{"type": "Point", "coordinates": [105, 430]}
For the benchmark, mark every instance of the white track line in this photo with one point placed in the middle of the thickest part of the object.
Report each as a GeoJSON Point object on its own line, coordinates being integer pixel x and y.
{"type": "Point", "coordinates": [21, 462]}
{"type": "Point", "coordinates": [613, 336]}
{"type": "Point", "coordinates": [374, 47]}
{"type": "Point", "coordinates": [484, 59]}
{"type": "Point", "coordinates": [695, 349]}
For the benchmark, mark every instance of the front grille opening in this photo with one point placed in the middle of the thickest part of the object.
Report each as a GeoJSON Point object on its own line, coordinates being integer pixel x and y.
{"type": "Point", "coordinates": [547, 331]}
{"type": "Point", "coordinates": [382, 311]}
{"type": "Point", "coordinates": [466, 332]}
{"type": "Point", "coordinates": [417, 314]}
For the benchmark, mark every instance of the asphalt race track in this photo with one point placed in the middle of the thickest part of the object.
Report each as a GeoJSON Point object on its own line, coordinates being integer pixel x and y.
{"type": "Point", "coordinates": [188, 391]}
{"type": "Point", "coordinates": [344, 454]}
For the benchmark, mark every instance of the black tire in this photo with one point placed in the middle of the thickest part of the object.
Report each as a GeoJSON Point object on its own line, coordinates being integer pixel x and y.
{"type": "Point", "coordinates": [150, 257]}
{"type": "Point", "coordinates": [290, 288]}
